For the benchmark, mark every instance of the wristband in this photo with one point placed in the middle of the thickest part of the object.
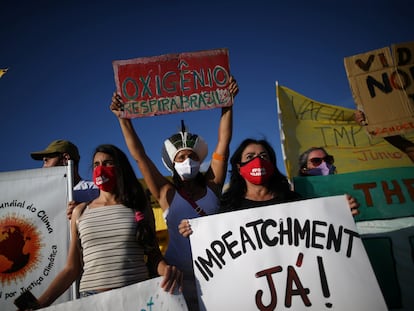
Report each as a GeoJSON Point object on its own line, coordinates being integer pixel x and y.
{"type": "Point", "coordinates": [218, 157]}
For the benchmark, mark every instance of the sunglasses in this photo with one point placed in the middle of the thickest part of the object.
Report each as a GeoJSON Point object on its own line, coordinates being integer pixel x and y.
{"type": "Point", "coordinates": [317, 161]}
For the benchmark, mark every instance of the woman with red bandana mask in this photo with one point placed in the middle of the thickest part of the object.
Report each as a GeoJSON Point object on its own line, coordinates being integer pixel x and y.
{"type": "Point", "coordinates": [191, 193]}
{"type": "Point", "coordinates": [121, 217]}
{"type": "Point", "coordinates": [256, 181]}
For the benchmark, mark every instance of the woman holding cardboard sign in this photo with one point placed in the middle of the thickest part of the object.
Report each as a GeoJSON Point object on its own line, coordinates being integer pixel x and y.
{"type": "Point", "coordinates": [256, 181]}
{"type": "Point", "coordinates": [112, 241]}
{"type": "Point", "coordinates": [191, 193]}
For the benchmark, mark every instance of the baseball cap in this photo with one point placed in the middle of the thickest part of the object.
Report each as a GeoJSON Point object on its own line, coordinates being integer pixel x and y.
{"type": "Point", "coordinates": [58, 146]}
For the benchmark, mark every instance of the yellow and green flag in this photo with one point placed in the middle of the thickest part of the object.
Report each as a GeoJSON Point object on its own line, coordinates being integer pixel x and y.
{"type": "Point", "coordinates": [3, 72]}
{"type": "Point", "coordinates": [305, 123]}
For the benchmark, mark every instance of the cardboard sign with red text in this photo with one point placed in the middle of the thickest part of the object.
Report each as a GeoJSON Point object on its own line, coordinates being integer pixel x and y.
{"type": "Point", "coordinates": [173, 83]}
{"type": "Point", "coordinates": [382, 84]}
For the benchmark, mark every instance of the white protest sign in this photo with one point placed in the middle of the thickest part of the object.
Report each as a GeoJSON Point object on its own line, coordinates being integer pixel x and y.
{"type": "Point", "coordinates": [304, 255]}
{"type": "Point", "coordinates": [143, 296]}
{"type": "Point", "coordinates": [34, 234]}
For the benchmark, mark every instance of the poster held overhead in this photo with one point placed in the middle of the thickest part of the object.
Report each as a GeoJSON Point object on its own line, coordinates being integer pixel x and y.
{"type": "Point", "coordinates": [173, 83]}
{"type": "Point", "coordinates": [382, 84]}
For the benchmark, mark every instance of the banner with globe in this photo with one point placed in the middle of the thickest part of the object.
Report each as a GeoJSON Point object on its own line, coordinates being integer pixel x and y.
{"type": "Point", "coordinates": [34, 231]}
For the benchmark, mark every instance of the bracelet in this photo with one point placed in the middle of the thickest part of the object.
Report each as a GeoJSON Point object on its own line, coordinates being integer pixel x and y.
{"type": "Point", "coordinates": [218, 157]}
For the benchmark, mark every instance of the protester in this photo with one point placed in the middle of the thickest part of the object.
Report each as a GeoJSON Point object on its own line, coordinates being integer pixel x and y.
{"type": "Point", "coordinates": [316, 161]}
{"type": "Point", "coordinates": [397, 141]}
{"type": "Point", "coordinates": [190, 194]}
{"type": "Point", "coordinates": [122, 214]}
{"type": "Point", "coordinates": [256, 181]}
{"type": "Point", "coordinates": [58, 153]}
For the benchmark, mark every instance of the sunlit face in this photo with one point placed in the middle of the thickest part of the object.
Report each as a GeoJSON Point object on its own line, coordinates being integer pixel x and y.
{"type": "Point", "coordinates": [182, 155]}
{"type": "Point", "coordinates": [103, 159]}
{"type": "Point", "coordinates": [254, 150]}
{"type": "Point", "coordinates": [315, 158]}
{"type": "Point", "coordinates": [52, 160]}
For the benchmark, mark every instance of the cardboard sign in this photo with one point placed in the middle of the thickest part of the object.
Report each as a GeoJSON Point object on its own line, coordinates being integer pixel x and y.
{"type": "Point", "coordinates": [304, 255]}
{"type": "Point", "coordinates": [382, 84]}
{"type": "Point", "coordinates": [173, 83]}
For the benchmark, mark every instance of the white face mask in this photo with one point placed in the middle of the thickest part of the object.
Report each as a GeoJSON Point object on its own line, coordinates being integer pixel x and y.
{"type": "Point", "coordinates": [187, 169]}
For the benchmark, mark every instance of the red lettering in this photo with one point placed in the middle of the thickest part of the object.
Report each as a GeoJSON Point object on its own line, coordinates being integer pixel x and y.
{"type": "Point", "coordinates": [391, 192]}
{"type": "Point", "coordinates": [259, 294]}
{"type": "Point", "coordinates": [409, 183]}
{"type": "Point", "coordinates": [365, 188]}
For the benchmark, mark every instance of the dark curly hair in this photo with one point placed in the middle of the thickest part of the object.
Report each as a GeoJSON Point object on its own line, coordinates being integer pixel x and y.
{"type": "Point", "coordinates": [232, 197]}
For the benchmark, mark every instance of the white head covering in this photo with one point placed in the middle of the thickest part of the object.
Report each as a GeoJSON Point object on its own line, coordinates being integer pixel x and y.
{"type": "Point", "coordinates": [182, 141]}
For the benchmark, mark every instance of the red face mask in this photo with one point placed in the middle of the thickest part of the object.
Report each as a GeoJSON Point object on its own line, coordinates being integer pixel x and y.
{"type": "Point", "coordinates": [257, 171]}
{"type": "Point", "coordinates": [104, 177]}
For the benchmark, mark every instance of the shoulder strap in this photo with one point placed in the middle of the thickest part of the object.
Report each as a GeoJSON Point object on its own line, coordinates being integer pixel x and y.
{"type": "Point", "coordinates": [84, 205]}
{"type": "Point", "coordinates": [197, 208]}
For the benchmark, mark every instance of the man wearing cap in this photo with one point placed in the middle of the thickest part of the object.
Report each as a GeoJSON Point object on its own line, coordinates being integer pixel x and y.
{"type": "Point", "coordinates": [58, 153]}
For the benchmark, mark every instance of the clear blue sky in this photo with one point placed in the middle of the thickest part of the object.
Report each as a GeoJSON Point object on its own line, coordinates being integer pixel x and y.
{"type": "Point", "coordinates": [60, 53]}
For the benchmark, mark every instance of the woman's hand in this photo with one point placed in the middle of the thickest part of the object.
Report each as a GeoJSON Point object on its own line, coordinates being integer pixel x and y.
{"type": "Point", "coordinates": [233, 86]}
{"type": "Point", "coordinates": [173, 278]}
{"type": "Point", "coordinates": [185, 228]}
{"type": "Point", "coordinates": [117, 106]}
{"type": "Point", "coordinates": [360, 118]}
{"type": "Point", "coordinates": [353, 205]}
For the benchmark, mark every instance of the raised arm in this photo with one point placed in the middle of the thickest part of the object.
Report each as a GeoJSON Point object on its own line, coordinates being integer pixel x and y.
{"type": "Point", "coordinates": [218, 166]}
{"type": "Point", "coordinates": [159, 186]}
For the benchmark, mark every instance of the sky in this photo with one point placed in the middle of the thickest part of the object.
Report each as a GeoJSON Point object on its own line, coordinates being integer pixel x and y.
{"type": "Point", "coordinates": [60, 78]}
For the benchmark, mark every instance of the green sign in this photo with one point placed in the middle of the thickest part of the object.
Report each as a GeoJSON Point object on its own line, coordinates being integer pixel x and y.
{"type": "Point", "coordinates": [383, 193]}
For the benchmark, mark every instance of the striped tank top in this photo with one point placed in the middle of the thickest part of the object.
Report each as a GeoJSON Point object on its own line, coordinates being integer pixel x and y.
{"type": "Point", "coordinates": [112, 257]}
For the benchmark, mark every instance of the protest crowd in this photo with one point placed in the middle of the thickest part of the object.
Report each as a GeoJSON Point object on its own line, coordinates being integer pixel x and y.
{"type": "Point", "coordinates": [113, 232]}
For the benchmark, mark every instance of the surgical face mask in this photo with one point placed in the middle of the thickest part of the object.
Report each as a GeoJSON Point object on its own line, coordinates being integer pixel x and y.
{"type": "Point", "coordinates": [188, 169]}
{"type": "Point", "coordinates": [323, 169]}
{"type": "Point", "coordinates": [257, 171]}
{"type": "Point", "coordinates": [104, 177]}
